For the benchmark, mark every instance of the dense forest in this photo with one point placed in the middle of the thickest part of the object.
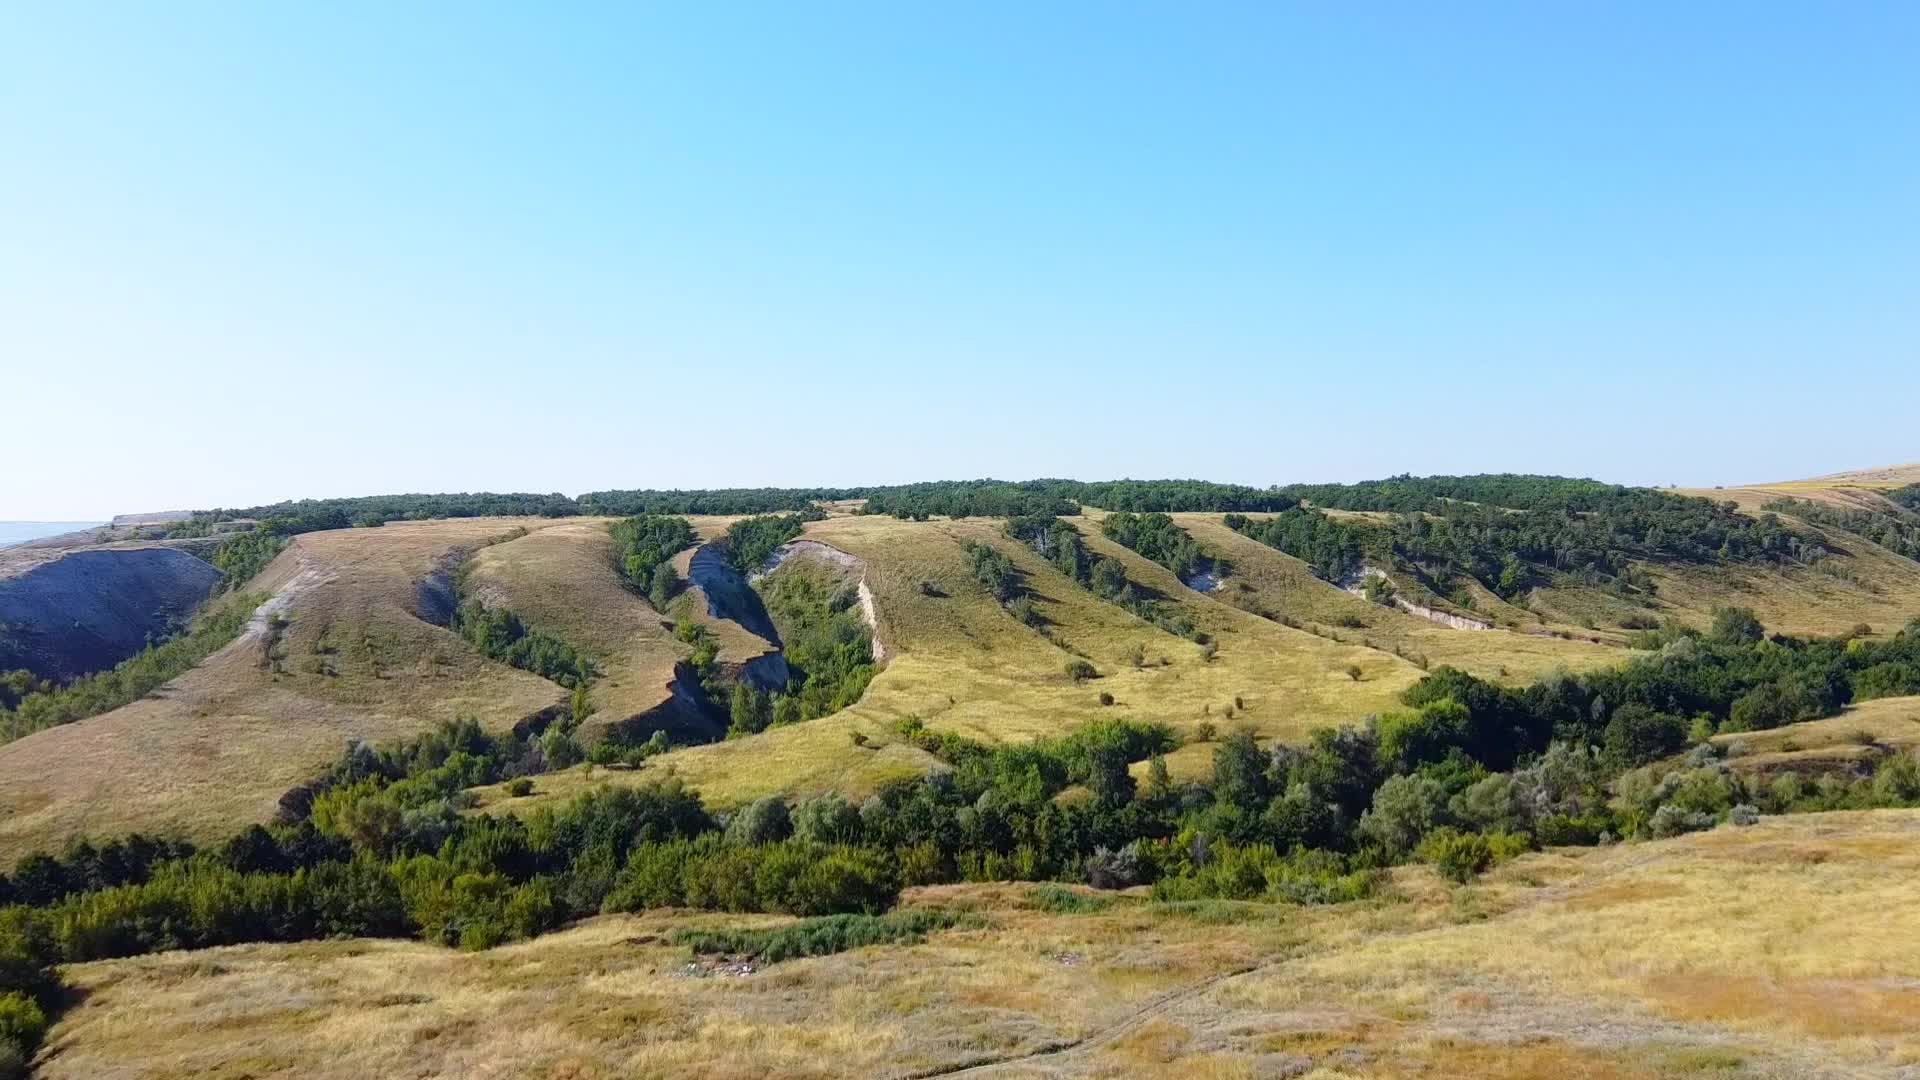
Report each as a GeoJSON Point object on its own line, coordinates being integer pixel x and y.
{"type": "Point", "coordinates": [312, 515]}
{"type": "Point", "coordinates": [999, 498]}
{"type": "Point", "coordinates": [752, 541]}
{"type": "Point", "coordinates": [1546, 527]}
{"type": "Point", "coordinates": [722, 501]}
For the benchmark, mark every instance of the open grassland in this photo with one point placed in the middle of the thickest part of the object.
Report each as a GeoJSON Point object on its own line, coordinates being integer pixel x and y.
{"type": "Point", "coordinates": [1852, 741]}
{"type": "Point", "coordinates": [1788, 949]}
{"type": "Point", "coordinates": [561, 580]}
{"type": "Point", "coordinates": [339, 653]}
{"type": "Point", "coordinates": [1881, 590]}
{"type": "Point", "coordinates": [1847, 490]}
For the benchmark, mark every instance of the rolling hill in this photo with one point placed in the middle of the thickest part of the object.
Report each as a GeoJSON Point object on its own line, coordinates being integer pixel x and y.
{"type": "Point", "coordinates": [1287, 733]}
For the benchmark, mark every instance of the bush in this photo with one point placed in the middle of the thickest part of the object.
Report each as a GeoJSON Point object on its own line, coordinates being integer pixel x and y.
{"type": "Point", "coordinates": [1116, 868]}
{"type": "Point", "coordinates": [1672, 820]}
{"type": "Point", "coordinates": [828, 819]}
{"type": "Point", "coordinates": [1405, 809]}
{"type": "Point", "coordinates": [825, 935]}
{"type": "Point", "coordinates": [22, 1021]}
{"type": "Point", "coordinates": [1080, 670]}
{"type": "Point", "coordinates": [763, 821]}
{"type": "Point", "coordinates": [520, 787]}
{"type": "Point", "coordinates": [1458, 856]}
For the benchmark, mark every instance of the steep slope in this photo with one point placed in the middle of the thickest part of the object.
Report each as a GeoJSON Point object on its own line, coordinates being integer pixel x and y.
{"type": "Point", "coordinates": [561, 580]}
{"type": "Point", "coordinates": [67, 613]}
{"type": "Point", "coordinates": [340, 653]}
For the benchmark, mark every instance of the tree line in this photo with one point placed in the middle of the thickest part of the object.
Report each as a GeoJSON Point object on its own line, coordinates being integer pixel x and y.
{"type": "Point", "coordinates": [1897, 531]}
{"type": "Point", "coordinates": [1510, 550]}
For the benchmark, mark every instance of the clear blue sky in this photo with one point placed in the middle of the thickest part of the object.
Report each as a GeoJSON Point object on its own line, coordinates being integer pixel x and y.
{"type": "Point", "coordinates": [254, 251]}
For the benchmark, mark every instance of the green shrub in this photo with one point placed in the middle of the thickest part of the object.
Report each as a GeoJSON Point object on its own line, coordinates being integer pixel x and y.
{"type": "Point", "coordinates": [763, 821]}
{"type": "Point", "coordinates": [1458, 856]}
{"type": "Point", "coordinates": [825, 935]}
{"type": "Point", "coordinates": [520, 787]}
{"type": "Point", "coordinates": [22, 1021]}
{"type": "Point", "coordinates": [1080, 670]}
{"type": "Point", "coordinates": [1060, 900]}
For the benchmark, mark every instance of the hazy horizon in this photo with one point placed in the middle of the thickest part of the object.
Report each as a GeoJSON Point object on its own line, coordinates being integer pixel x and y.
{"type": "Point", "coordinates": [275, 253]}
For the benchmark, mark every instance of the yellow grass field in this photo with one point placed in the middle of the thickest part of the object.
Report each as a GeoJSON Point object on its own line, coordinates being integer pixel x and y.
{"type": "Point", "coordinates": [1788, 949]}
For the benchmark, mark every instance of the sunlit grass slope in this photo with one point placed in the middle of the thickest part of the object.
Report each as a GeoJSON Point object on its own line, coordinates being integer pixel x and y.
{"type": "Point", "coordinates": [348, 657]}
{"type": "Point", "coordinates": [1787, 949]}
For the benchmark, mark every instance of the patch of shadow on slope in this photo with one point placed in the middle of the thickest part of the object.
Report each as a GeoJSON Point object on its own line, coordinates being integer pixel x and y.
{"type": "Point", "coordinates": [728, 594]}
{"type": "Point", "coordinates": [87, 610]}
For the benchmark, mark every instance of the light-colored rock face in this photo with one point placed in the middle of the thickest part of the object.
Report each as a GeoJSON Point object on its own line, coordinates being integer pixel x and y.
{"type": "Point", "coordinates": [1357, 585]}
{"type": "Point", "coordinates": [814, 549]}
{"type": "Point", "coordinates": [87, 610]}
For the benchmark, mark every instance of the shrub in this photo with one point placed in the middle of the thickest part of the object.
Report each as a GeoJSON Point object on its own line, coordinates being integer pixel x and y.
{"type": "Point", "coordinates": [1896, 782]}
{"type": "Point", "coordinates": [828, 819]}
{"type": "Point", "coordinates": [763, 821]}
{"type": "Point", "coordinates": [1080, 670]}
{"type": "Point", "coordinates": [1672, 820]}
{"type": "Point", "coordinates": [1458, 856]}
{"type": "Point", "coordinates": [22, 1021]}
{"type": "Point", "coordinates": [1114, 868]}
{"type": "Point", "coordinates": [1106, 698]}
{"type": "Point", "coordinates": [520, 787]}
{"type": "Point", "coordinates": [1405, 809]}
{"type": "Point", "coordinates": [1060, 900]}
{"type": "Point", "coordinates": [825, 935]}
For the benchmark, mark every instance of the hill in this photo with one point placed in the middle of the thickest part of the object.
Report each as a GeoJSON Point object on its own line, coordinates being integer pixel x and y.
{"type": "Point", "coordinates": [356, 644]}
{"type": "Point", "coordinates": [1345, 766]}
{"type": "Point", "coordinates": [1531, 972]}
{"type": "Point", "coordinates": [340, 652]}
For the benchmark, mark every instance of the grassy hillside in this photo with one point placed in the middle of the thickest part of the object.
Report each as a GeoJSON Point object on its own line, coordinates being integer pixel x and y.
{"type": "Point", "coordinates": [340, 653]}
{"type": "Point", "coordinates": [1780, 950]}
{"type": "Point", "coordinates": [562, 580]}
{"type": "Point", "coordinates": [1285, 651]}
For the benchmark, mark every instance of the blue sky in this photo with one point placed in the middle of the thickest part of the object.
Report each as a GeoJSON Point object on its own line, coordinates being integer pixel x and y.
{"type": "Point", "coordinates": [250, 252]}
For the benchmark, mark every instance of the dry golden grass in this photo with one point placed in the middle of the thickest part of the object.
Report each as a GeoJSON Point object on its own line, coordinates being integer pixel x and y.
{"type": "Point", "coordinates": [962, 663]}
{"type": "Point", "coordinates": [1271, 583]}
{"type": "Point", "coordinates": [562, 581]}
{"type": "Point", "coordinates": [217, 747]}
{"type": "Point", "coordinates": [1789, 949]}
{"type": "Point", "coordinates": [1855, 740]}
